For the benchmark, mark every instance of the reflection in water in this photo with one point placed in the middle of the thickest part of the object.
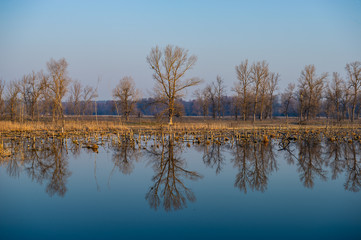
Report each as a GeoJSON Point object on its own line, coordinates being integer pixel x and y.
{"type": "Point", "coordinates": [310, 161]}
{"type": "Point", "coordinates": [42, 161]}
{"type": "Point", "coordinates": [169, 176]}
{"type": "Point", "coordinates": [124, 155]}
{"type": "Point", "coordinates": [213, 156]}
{"type": "Point", "coordinates": [334, 158]}
{"type": "Point", "coordinates": [353, 165]}
{"type": "Point", "coordinates": [313, 156]}
{"type": "Point", "coordinates": [46, 161]}
{"type": "Point", "coordinates": [255, 161]}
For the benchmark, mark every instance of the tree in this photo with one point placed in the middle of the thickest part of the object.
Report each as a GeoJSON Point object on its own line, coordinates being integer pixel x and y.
{"type": "Point", "coordinates": [12, 99]}
{"type": "Point", "coordinates": [219, 90]}
{"type": "Point", "coordinates": [211, 94]}
{"type": "Point", "coordinates": [31, 89]}
{"type": "Point", "coordinates": [243, 87]}
{"type": "Point", "coordinates": [125, 95]}
{"type": "Point", "coordinates": [259, 74]}
{"type": "Point", "coordinates": [57, 85]}
{"type": "Point", "coordinates": [169, 66]}
{"type": "Point", "coordinates": [2, 88]}
{"type": "Point", "coordinates": [89, 94]}
{"type": "Point", "coordinates": [335, 93]}
{"type": "Point", "coordinates": [286, 99]}
{"type": "Point", "coordinates": [311, 86]}
{"type": "Point", "coordinates": [272, 87]}
{"type": "Point", "coordinates": [75, 97]}
{"type": "Point", "coordinates": [202, 100]}
{"type": "Point", "coordinates": [235, 105]}
{"type": "Point", "coordinates": [354, 81]}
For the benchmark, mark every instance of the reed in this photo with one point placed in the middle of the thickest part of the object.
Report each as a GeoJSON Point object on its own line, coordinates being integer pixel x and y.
{"type": "Point", "coordinates": [183, 126]}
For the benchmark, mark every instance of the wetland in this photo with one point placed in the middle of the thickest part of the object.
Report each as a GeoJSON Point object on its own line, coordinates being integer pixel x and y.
{"type": "Point", "coordinates": [141, 183]}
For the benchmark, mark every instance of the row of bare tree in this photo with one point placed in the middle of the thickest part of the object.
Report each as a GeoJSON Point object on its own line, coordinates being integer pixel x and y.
{"type": "Point", "coordinates": [337, 98]}
{"type": "Point", "coordinates": [255, 94]}
{"type": "Point", "coordinates": [40, 93]}
{"type": "Point", "coordinates": [255, 89]}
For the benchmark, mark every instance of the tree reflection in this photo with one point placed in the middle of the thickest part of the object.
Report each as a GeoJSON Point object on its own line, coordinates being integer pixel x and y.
{"type": "Point", "coordinates": [58, 164]}
{"type": "Point", "coordinates": [315, 155]}
{"type": "Point", "coordinates": [42, 161]}
{"type": "Point", "coordinates": [310, 162]}
{"type": "Point", "coordinates": [353, 166]}
{"type": "Point", "coordinates": [124, 155]}
{"type": "Point", "coordinates": [169, 176]}
{"type": "Point", "coordinates": [213, 155]}
{"type": "Point", "coordinates": [335, 157]}
{"type": "Point", "coordinates": [255, 161]}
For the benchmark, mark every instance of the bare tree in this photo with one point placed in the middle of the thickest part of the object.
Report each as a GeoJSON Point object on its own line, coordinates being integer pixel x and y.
{"type": "Point", "coordinates": [57, 85]}
{"type": "Point", "coordinates": [235, 105]}
{"type": "Point", "coordinates": [272, 85]}
{"type": "Point", "coordinates": [311, 87]}
{"type": "Point", "coordinates": [354, 81]}
{"type": "Point", "coordinates": [31, 88]}
{"type": "Point", "coordinates": [89, 94]}
{"type": "Point", "coordinates": [12, 99]}
{"type": "Point", "coordinates": [75, 97]}
{"type": "Point", "coordinates": [259, 74]}
{"type": "Point", "coordinates": [202, 100]}
{"type": "Point", "coordinates": [286, 99]}
{"type": "Point", "coordinates": [2, 101]}
{"type": "Point", "coordinates": [211, 94]}
{"type": "Point", "coordinates": [219, 90]}
{"type": "Point", "coordinates": [263, 97]}
{"type": "Point", "coordinates": [170, 66]}
{"type": "Point", "coordinates": [335, 93]}
{"type": "Point", "coordinates": [243, 87]}
{"type": "Point", "coordinates": [125, 95]}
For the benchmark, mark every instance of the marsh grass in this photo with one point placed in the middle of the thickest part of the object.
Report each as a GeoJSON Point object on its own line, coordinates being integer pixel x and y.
{"type": "Point", "coordinates": [107, 123]}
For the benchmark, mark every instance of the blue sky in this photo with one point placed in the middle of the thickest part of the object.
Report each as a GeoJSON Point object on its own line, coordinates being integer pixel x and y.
{"type": "Point", "coordinates": [111, 39]}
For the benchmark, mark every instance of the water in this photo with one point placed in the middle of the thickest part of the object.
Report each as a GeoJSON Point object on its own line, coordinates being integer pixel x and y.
{"type": "Point", "coordinates": [308, 189]}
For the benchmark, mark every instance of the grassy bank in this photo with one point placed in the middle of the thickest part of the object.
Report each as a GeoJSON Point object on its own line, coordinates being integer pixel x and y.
{"type": "Point", "coordinates": [108, 123]}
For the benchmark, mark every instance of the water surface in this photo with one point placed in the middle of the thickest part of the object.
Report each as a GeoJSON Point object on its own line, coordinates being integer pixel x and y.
{"type": "Point", "coordinates": [181, 190]}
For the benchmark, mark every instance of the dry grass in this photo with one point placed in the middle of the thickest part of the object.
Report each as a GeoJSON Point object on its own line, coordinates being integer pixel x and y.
{"type": "Point", "coordinates": [186, 124]}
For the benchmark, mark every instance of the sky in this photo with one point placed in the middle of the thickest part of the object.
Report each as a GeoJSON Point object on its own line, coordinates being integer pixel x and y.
{"type": "Point", "coordinates": [109, 40]}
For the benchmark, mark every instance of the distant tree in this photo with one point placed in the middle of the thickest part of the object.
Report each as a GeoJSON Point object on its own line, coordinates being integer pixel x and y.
{"type": "Point", "coordinates": [12, 99]}
{"type": "Point", "coordinates": [310, 88]}
{"type": "Point", "coordinates": [259, 75]}
{"type": "Point", "coordinates": [235, 105]}
{"type": "Point", "coordinates": [220, 91]}
{"type": "Point", "coordinates": [169, 66]}
{"type": "Point", "coordinates": [89, 95]}
{"type": "Point", "coordinates": [242, 88]}
{"type": "Point", "coordinates": [75, 98]}
{"type": "Point", "coordinates": [2, 101]}
{"type": "Point", "coordinates": [212, 99]}
{"type": "Point", "coordinates": [202, 100]}
{"type": "Point", "coordinates": [287, 98]}
{"type": "Point", "coordinates": [31, 89]}
{"type": "Point", "coordinates": [272, 85]}
{"type": "Point", "coordinates": [334, 93]}
{"type": "Point", "coordinates": [263, 98]}
{"type": "Point", "coordinates": [354, 82]}
{"type": "Point", "coordinates": [57, 85]}
{"type": "Point", "coordinates": [125, 95]}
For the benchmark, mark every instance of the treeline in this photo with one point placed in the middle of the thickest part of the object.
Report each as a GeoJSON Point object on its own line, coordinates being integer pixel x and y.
{"type": "Point", "coordinates": [255, 95]}
{"type": "Point", "coordinates": [39, 94]}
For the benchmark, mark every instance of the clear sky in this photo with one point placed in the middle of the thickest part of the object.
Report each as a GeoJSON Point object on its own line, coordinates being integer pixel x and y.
{"type": "Point", "coordinates": [111, 39]}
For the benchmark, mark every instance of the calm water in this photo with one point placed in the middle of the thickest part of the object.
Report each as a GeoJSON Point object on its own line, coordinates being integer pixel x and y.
{"type": "Point", "coordinates": [308, 190]}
